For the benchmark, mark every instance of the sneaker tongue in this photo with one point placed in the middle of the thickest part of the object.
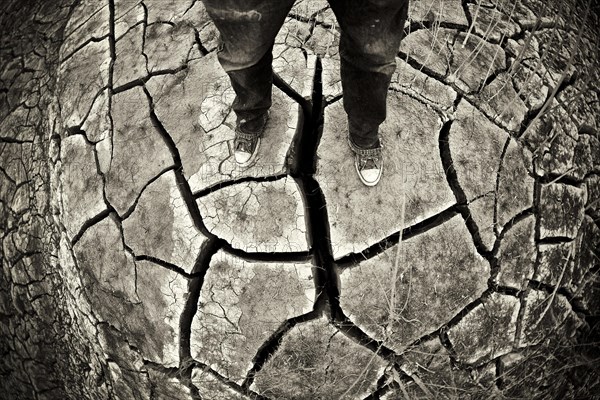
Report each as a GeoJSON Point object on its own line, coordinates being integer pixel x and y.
{"type": "Point", "coordinates": [243, 145]}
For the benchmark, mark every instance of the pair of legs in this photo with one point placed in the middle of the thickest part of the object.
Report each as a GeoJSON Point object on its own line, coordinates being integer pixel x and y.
{"type": "Point", "coordinates": [371, 31]}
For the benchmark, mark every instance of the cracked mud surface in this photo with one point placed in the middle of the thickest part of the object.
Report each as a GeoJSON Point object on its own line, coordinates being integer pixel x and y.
{"type": "Point", "coordinates": [140, 262]}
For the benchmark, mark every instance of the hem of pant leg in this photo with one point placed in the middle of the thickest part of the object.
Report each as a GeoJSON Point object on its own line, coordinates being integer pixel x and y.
{"type": "Point", "coordinates": [245, 135]}
{"type": "Point", "coordinates": [376, 151]}
{"type": "Point", "coordinates": [369, 133]}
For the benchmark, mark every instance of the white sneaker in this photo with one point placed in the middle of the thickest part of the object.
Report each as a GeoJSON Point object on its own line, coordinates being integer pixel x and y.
{"type": "Point", "coordinates": [368, 163]}
{"type": "Point", "coordinates": [245, 145]}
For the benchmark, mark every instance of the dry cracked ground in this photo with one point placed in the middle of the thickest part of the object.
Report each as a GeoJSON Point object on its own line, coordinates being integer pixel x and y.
{"type": "Point", "coordinates": [139, 262]}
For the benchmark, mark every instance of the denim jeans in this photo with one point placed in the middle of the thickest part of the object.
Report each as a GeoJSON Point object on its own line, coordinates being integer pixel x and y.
{"type": "Point", "coordinates": [371, 31]}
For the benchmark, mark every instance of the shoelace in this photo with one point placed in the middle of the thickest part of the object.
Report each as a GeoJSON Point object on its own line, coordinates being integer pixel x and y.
{"type": "Point", "coordinates": [244, 145]}
{"type": "Point", "coordinates": [369, 162]}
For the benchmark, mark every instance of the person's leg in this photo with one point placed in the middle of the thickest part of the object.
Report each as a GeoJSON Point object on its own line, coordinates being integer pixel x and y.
{"type": "Point", "coordinates": [247, 32]}
{"type": "Point", "coordinates": [371, 35]}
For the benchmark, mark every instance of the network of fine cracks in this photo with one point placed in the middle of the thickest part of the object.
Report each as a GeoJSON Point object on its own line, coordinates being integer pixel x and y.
{"type": "Point", "coordinates": [300, 166]}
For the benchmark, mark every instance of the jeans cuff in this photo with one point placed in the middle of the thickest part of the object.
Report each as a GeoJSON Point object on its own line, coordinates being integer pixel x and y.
{"type": "Point", "coordinates": [365, 152]}
{"type": "Point", "coordinates": [244, 135]}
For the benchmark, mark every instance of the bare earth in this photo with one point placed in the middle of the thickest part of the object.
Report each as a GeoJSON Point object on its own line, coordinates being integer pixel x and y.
{"type": "Point", "coordinates": [140, 262]}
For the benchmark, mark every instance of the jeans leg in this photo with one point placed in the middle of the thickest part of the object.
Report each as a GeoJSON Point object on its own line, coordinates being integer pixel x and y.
{"type": "Point", "coordinates": [371, 35]}
{"type": "Point", "coordinates": [247, 32]}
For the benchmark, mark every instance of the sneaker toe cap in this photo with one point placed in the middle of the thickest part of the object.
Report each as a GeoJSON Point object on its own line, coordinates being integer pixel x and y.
{"type": "Point", "coordinates": [241, 156]}
{"type": "Point", "coordinates": [371, 175]}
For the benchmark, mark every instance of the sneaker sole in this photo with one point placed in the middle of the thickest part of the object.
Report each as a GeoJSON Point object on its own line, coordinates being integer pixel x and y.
{"type": "Point", "coordinates": [252, 158]}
